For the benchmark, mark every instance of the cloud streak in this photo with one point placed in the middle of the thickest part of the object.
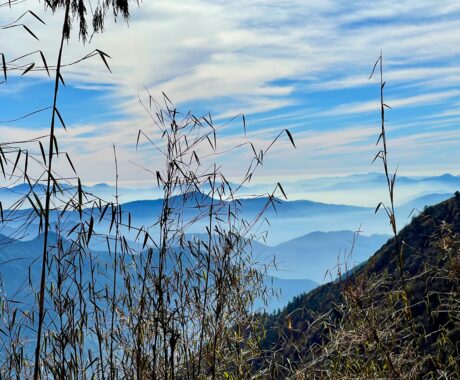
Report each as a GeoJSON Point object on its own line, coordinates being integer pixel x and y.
{"type": "Point", "coordinates": [290, 64]}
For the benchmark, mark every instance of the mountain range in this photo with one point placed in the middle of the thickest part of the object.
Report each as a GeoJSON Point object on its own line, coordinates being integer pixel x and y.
{"type": "Point", "coordinates": [302, 264]}
{"type": "Point", "coordinates": [311, 241]}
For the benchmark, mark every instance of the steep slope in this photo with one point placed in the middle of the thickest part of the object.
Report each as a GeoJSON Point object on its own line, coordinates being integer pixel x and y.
{"type": "Point", "coordinates": [424, 251]}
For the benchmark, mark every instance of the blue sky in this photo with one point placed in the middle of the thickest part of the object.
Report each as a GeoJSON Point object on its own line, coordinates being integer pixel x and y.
{"type": "Point", "coordinates": [301, 65]}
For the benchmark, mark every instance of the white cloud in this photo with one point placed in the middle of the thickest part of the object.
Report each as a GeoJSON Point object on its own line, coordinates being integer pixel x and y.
{"type": "Point", "coordinates": [374, 106]}
{"type": "Point", "coordinates": [241, 52]}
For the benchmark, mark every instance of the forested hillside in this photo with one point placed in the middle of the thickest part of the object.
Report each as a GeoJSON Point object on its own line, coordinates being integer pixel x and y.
{"type": "Point", "coordinates": [375, 320]}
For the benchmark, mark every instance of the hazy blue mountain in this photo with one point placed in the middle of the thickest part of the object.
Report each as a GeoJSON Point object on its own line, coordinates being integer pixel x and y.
{"type": "Point", "coordinates": [365, 190]}
{"type": "Point", "coordinates": [288, 219]}
{"type": "Point", "coordinates": [369, 179]}
{"type": "Point", "coordinates": [20, 263]}
{"type": "Point", "coordinates": [313, 255]}
{"type": "Point", "coordinates": [370, 188]}
{"type": "Point", "coordinates": [282, 291]}
{"type": "Point", "coordinates": [417, 205]}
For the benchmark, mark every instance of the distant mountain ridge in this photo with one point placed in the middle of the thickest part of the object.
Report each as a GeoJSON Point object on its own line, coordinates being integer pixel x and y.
{"type": "Point", "coordinates": [442, 183]}
{"type": "Point", "coordinates": [318, 255]}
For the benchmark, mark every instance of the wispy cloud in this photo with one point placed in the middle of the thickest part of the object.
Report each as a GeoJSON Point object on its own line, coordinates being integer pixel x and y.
{"type": "Point", "coordinates": [374, 106]}
{"type": "Point", "coordinates": [291, 64]}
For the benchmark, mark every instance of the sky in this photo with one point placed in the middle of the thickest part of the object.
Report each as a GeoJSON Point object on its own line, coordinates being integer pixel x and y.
{"type": "Point", "coordinates": [297, 65]}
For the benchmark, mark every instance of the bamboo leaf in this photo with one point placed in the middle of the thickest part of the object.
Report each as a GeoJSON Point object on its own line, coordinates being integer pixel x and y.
{"type": "Point", "coordinates": [166, 97]}
{"type": "Point", "coordinates": [39, 203]}
{"type": "Point", "coordinates": [103, 55]}
{"type": "Point", "coordinates": [2, 167]}
{"type": "Point", "coordinates": [28, 69]}
{"type": "Point", "coordinates": [61, 79]}
{"type": "Point", "coordinates": [138, 137]}
{"type": "Point", "coordinates": [70, 162]}
{"type": "Point", "coordinates": [60, 118]}
{"type": "Point", "coordinates": [290, 137]}
{"type": "Point", "coordinates": [80, 197]}
{"type": "Point", "coordinates": [378, 155]}
{"type": "Point", "coordinates": [42, 151]}
{"type": "Point", "coordinates": [4, 67]}
{"type": "Point", "coordinates": [33, 35]}
{"type": "Point", "coordinates": [73, 229]}
{"type": "Point", "coordinates": [34, 207]}
{"type": "Point", "coordinates": [38, 18]}
{"type": "Point", "coordinates": [16, 163]}
{"type": "Point", "coordinates": [26, 164]}
{"type": "Point", "coordinates": [90, 230]}
{"type": "Point", "coordinates": [56, 148]}
{"type": "Point", "coordinates": [146, 237]}
{"type": "Point", "coordinates": [375, 65]}
{"type": "Point", "coordinates": [196, 157]}
{"type": "Point", "coordinates": [104, 211]}
{"type": "Point", "coordinates": [44, 63]}
{"type": "Point", "coordinates": [282, 190]}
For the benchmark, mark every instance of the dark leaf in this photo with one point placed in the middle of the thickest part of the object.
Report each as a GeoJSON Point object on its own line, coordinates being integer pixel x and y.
{"type": "Point", "coordinates": [3, 168]}
{"type": "Point", "coordinates": [27, 163]}
{"type": "Point", "coordinates": [282, 190]}
{"type": "Point", "coordinates": [60, 118]}
{"type": "Point", "coordinates": [16, 162]}
{"type": "Point", "coordinates": [378, 155]}
{"type": "Point", "coordinates": [196, 157]}
{"type": "Point", "coordinates": [61, 79]}
{"type": "Point", "coordinates": [290, 137]}
{"type": "Point", "coordinates": [56, 148]}
{"type": "Point", "coordinates": [43, 152]}
{"type": "Point", "coordinates": [4, 66]}
{"type": "Point", "coordinates": [33, 35]}
{"type": "Point", "coordinates": [146, 237]}
{"type": "Point", "coordinates": [138, 137]}
{"type": "Point", "coordinates": [80, 197]}
{"type": "Point", "coordinates": [90, 230]}
{"type": "Point", "coordinates": [44, 62]}
{"type": "Point", "coordinates": [103, 57]}
{"type": "Point", "coordinates": [38, 18]}
{"type": "Point", "coordinates": [28, 69]}
{"type": "Point", "coordinates": [375, 65]}
{"type": "Point", "coordinates": [70, 162]}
